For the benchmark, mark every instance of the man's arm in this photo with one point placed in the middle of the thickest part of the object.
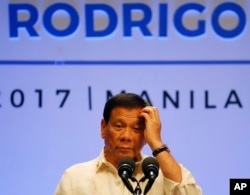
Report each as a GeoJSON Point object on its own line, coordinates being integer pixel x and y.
{"type": "Point", "coordinates": [152, 132]}
{"type": "Point", "coordinates": [178, 177]}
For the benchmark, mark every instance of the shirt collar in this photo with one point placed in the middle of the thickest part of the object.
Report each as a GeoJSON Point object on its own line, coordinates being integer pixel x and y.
{"type": "Point", "coordinates": [102, 161]}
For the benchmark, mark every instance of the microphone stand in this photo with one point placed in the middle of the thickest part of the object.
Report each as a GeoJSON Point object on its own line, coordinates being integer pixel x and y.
{"type": "Point", "coordinates": [137, 190]}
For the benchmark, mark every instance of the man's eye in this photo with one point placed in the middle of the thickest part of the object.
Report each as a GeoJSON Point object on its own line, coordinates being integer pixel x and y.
{"type": "Point", "coordinates": [118, 126]}
{"type": "Point", "coordinates": [137, 128]}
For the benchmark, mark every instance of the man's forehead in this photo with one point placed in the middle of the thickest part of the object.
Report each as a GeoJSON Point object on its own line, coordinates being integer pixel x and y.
{"type": "Point", "coordinates": [129, 113]}
{"type": "Point", "coordinates": [126, 109]}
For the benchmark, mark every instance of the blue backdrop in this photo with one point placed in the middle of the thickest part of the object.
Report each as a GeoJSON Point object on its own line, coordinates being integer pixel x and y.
{"type": "Point", "coordinates": [61, 60]}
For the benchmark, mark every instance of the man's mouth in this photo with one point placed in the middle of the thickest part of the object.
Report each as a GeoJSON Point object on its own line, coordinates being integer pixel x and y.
{"type": "Point", "coordinates": [125, 149]}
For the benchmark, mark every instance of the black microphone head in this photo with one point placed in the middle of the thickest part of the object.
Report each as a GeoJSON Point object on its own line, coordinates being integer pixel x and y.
{"type": "Point", "coordinates": [150, 165]}
{"type": "Point", "coordinates": [126, 165]}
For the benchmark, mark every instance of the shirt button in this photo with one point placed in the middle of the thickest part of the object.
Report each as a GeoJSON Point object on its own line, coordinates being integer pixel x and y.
{"type": "Point", "coordinates": [118, 182]}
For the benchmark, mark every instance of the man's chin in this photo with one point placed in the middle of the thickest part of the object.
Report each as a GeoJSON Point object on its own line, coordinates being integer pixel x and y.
{"type": "Point", "coordinates": [126, 153]}
{"type": "Point", "coordinates": [123, 154]}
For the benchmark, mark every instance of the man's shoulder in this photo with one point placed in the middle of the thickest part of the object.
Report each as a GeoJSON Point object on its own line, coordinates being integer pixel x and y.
{"type": "Point", "coordinates": [83, 167]}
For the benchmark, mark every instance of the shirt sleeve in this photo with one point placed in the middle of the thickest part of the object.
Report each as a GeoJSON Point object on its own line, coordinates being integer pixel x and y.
{"type": "Point", "coordinates": [64, 187]}
{"type": "Point", "coordinates": [188, 186]}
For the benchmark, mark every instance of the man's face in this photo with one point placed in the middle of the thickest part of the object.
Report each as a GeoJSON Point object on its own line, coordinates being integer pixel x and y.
{"type": "Point", "coordinates": [123, 134]}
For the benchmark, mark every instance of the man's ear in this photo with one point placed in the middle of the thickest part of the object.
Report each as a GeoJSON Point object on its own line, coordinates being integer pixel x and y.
{"type": "Point", "coordinates": [103, 127]}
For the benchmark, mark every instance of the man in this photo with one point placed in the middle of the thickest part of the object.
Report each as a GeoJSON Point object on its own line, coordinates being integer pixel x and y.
{"type": "Point", "coordinates": [128, 124]}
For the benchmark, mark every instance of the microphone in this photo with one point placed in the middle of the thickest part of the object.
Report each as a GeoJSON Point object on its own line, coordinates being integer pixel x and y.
{"type": "Point", "coordinates": [126, 168]}
{"type": "Point", "coordinates": [150, 168]}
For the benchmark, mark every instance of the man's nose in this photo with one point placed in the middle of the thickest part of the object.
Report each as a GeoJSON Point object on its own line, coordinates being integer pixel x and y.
{"type": "Point", "coordinates": [127, 134]}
